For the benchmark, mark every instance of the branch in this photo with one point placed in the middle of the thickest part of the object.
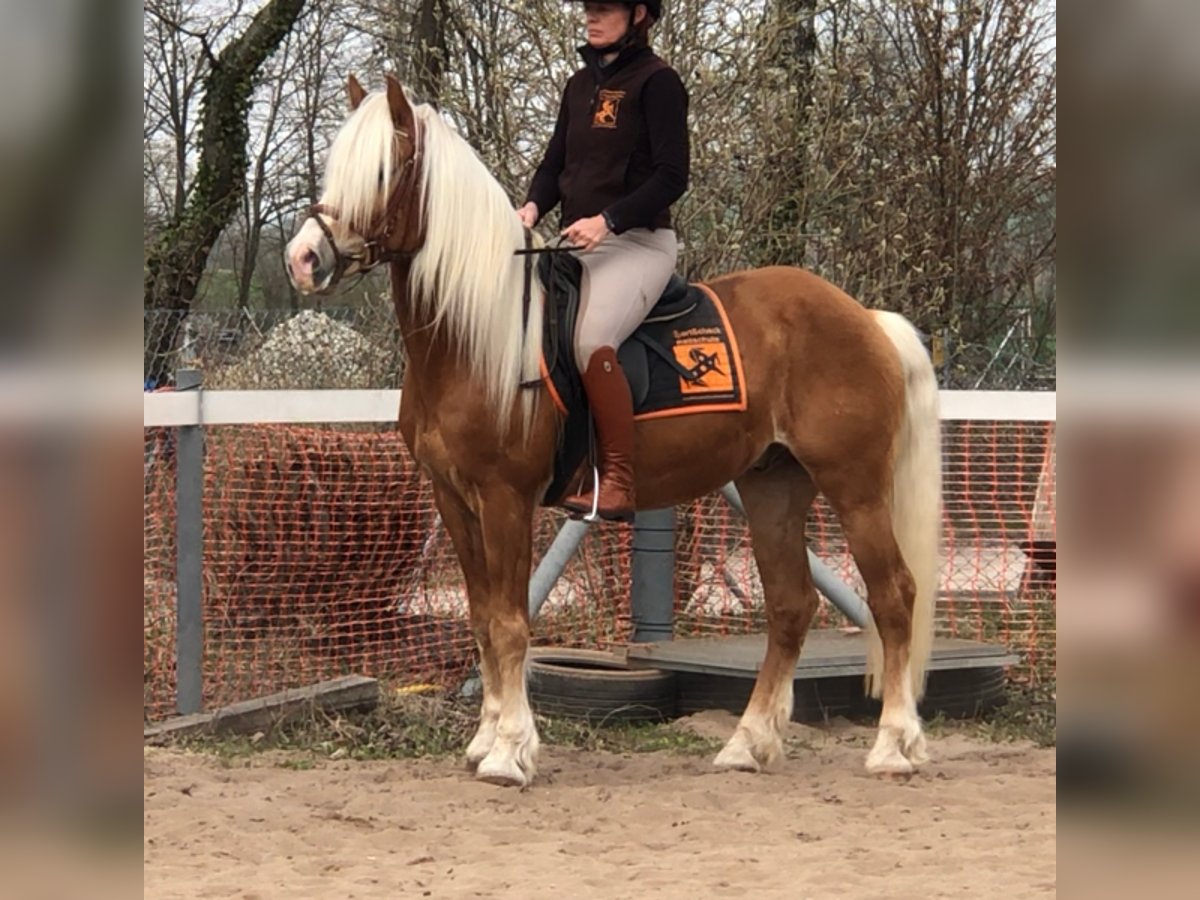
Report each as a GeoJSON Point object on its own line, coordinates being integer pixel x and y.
{"type": "Point", "coordinates": [177, 26]}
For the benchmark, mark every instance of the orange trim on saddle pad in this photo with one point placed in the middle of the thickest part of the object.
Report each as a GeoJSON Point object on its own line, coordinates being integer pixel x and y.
{"type": "Point", "coordinates": [548, 381]}
{"type": "Point", "coordinates": [714, 346]}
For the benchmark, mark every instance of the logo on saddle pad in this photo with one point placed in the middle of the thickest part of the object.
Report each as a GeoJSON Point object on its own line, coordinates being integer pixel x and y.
{"type": "Point", "coordinates": [703, 352]}
{"type": "Point", "coordinates": [608, 103]}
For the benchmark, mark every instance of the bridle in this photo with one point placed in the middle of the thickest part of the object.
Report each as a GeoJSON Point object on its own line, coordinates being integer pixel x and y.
{"type": "Point", "coordinates": [375, 250]}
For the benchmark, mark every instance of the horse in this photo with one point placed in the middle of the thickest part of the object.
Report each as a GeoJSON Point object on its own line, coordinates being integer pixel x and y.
{"type": "Point", "coordinates": [841, 400]}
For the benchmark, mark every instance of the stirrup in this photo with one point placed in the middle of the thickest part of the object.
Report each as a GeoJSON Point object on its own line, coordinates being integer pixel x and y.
{"type": "Point", "coordinates": [594, 515]}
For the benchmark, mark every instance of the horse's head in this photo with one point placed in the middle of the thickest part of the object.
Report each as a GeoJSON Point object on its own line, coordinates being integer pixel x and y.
{"type": "Point", "coordinates": [369, 212]}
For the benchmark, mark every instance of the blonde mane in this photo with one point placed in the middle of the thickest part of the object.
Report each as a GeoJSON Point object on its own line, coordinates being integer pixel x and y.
{"type": "Point", "coordinates": [360, 152]}
{"type": "Point", "coordinates": [465, 278]}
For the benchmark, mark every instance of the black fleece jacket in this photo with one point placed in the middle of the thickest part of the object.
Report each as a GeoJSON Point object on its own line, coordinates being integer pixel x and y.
{"type": "Point", "coordinates": [620, 145]}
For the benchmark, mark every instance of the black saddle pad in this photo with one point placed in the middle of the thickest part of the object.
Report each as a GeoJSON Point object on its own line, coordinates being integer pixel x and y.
{"type": "Point", "coordinates": [683, 359]}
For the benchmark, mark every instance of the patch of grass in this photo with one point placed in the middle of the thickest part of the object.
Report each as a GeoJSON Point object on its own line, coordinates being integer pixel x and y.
{"type": "Point", "coordinates": [624, 737]}
{"type": "Point", "coordinates": [299, 763]}
{"type": "Point", "coordinates": [431, 727]}
{"type": "Point", "coordinates": [440, 727]}
{"type": "Point", "coordinates": [399, 727]}
{"type": "Point", "coordinates": [1030, 713]}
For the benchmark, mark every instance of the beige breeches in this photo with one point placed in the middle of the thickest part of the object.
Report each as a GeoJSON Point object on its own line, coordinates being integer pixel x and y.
{"type": "Point", "coordinates": [622, 279]}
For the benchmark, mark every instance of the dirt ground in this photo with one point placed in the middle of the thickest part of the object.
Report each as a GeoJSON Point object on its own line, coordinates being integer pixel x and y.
{"type": "Point", "coordinates": [979, 821]}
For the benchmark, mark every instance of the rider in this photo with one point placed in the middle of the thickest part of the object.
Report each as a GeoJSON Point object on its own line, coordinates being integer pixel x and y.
{"type": "Point", "coordinates": [617, 160]}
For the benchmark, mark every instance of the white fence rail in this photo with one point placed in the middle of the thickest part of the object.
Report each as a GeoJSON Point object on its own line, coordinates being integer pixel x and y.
{"type": "Point", "coordinates": [176, 408]}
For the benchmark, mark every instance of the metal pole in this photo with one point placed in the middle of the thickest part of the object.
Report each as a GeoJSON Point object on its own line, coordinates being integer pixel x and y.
{"type": "Point", "coordinates": [824, 578]}
{"type": "Point", "coordinates": [189, 556]}
{"type": "Point", "coordinates": [652, 601]}
{"type": "Point", "coordinates": [566, 542]}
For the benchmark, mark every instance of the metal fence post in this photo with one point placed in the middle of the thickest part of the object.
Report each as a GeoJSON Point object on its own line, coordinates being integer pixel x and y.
{"type": "Point", "coordinates": [566, 542]}
{"type": "Point", "coordinates": [652, 600]}
{"type": "Point", "coordinates": [189, 556]}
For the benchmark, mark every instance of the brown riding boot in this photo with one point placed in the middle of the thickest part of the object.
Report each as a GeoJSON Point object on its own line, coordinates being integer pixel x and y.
{"type": "Point", "coordinates": [612, 409]}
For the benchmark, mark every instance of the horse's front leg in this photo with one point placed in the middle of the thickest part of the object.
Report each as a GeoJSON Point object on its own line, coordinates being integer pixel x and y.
{"type": "Point", "coordinates": [501, 622]}
{"type": "Point", "coordinates": [466, 532]}
{"type": "Point", "coordinates": [492, 533]}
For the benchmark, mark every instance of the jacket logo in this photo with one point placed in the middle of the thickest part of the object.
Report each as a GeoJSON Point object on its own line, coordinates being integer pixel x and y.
{"type": "Point", "coordinates": [606, 110]}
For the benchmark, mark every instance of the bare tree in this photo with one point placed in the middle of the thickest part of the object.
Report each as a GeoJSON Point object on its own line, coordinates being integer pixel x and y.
{"type": "Point", "coordinates": [173, 63]}
{"type": "Point", "coordinates": [429, 50]}
{"type": "Point", "coordinates": [273, 137]}
{"type": "Point", "coordinates": [937, 161]}
{"type": "Point", "coordinates": [176, 262]}
{"type": "Point", "coordinates": [791, 50]}
{"type": "Point", "coordinates": [903, 150]}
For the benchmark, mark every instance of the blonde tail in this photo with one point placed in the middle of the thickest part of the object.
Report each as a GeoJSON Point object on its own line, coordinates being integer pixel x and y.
{"type": "Point", "coordinates": [916, 498]}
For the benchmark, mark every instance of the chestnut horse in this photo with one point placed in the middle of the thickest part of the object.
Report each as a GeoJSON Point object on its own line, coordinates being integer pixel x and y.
{"type": "Point", "coordinates": [841, 400]}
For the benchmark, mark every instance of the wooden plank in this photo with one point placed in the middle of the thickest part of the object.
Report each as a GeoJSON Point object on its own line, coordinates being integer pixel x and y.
{"type": "Point", "coordinates": [248, 716]}
{"type": "Point", "coordinates": [826, 653]}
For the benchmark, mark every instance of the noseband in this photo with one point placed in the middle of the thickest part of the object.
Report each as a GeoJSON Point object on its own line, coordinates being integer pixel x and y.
{"type": "Point", "coordinates": [375, 250]}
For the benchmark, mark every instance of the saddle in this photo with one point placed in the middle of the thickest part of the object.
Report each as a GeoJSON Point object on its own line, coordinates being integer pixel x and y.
{"type": "Point", "coordinates": [682, 359]}
{"type": "Point", "coordinates": [560, 274]}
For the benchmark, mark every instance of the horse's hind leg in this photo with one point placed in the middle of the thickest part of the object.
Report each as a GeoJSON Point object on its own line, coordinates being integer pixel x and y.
{"type": "Point", "coordinates": [859, 492]}
{"type": "Point", "coordinates": [776, 501]}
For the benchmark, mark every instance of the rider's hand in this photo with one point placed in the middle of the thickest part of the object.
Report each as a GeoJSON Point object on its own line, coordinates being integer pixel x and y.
{"type": "Point", "coordinates": [587, 233]}
{"type": "Point", "coordinates": [528, 214]}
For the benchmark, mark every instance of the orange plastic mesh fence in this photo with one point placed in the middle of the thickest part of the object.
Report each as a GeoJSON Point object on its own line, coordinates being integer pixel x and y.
{"type": "Point", "coordinates": [324, 555]}
{"type": "Point", "coordinates": [158, 571]}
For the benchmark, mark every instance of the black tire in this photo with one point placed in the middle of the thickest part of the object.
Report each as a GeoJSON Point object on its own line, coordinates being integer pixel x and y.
{"type": "Point", "coordinates": [954, 693]}
{"type": "Point", "coordinates": [596, 687]}
{"type": "Point", "coordinates": [964, 693]}
{"type": "Point", "coordinates": [814, 701]}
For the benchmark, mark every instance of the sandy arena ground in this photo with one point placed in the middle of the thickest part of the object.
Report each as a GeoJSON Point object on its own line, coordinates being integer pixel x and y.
{"type": "Point", "coordinates": [978, 822]}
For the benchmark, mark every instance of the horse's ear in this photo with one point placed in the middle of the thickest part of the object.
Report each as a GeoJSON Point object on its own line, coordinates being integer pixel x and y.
{"type": "Point", "coordinates": [402, 114]}
{"type": "Point", "coordinates": [357, 94]}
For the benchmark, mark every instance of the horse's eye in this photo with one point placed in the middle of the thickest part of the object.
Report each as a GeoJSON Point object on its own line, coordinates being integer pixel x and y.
{"type": "Point", "coordinates": [380, 181]}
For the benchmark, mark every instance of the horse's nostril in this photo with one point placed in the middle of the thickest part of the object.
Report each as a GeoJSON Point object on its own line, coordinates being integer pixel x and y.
{"type": "Point", "coordinates": [310, 260]}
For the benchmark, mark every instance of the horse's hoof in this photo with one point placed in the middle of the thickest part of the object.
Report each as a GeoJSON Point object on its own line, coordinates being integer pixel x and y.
{"type": "Point", "coordinates": [916, 752]}
{"type": "Point", "coordinates": [500, 773]}
{"type": "Point", "coordinates": [736, 758]}
{"type": "Point", "coordinates": [477, 752]}
{"type": "Point", "coordinates": [892, 763]}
